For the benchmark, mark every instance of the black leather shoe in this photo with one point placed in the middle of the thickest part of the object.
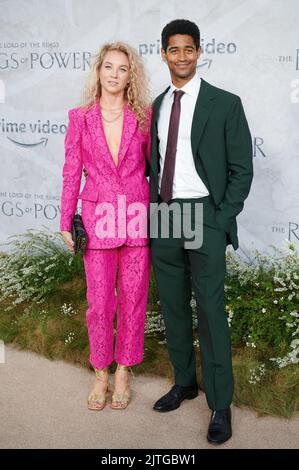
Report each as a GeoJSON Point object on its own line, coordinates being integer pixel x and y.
{"type": "Point", "coordinates": [220, 427]}
{"type": "Point", "coordinates": [173, 399]}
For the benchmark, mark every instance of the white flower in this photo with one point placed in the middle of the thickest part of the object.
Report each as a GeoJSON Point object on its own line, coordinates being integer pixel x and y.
{"type": "Point", "coordinates": [294, 314]}
{"type": "Point", "coordinates": [256, 374]}
{"type": "Point", "coordinates": [68, 310]}
{"type": "Point", "coordinates": [69, 338]}
{"type": "Point", "coordinates": [264, 310]}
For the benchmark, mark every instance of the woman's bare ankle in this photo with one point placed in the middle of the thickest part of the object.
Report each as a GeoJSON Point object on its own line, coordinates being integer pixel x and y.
{"type": "Point", "coordinates": [121, 377]}
{"type": "Point", "coordinates": [101, 380]}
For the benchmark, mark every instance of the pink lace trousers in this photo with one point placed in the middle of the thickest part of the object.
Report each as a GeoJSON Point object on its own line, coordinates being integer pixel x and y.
{"type": "Point", "coordinates": [128, 268]}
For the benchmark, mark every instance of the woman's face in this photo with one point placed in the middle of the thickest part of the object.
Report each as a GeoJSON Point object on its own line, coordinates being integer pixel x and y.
{"type": "Point", "coordinates": [114, 72]}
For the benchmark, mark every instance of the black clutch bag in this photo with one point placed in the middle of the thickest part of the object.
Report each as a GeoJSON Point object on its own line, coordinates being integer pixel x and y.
{"type": "Point", "coordinates": [79, 234]}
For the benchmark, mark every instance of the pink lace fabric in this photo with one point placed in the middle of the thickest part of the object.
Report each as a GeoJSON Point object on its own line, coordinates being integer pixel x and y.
{"type": "Point", "coordinates": [85, 145]}
{"type": "Point", "coordinates": [120, 259]}
{"type": "Point", "coordinates": [128, 268]}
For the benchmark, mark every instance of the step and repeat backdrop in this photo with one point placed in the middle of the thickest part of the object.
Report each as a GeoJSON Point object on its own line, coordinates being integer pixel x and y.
{"type": "Point", "coordinates": [250, 47]}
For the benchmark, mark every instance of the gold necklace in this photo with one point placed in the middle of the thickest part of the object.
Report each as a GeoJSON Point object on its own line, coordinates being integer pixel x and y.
{"type": "Point", "coordinates": [112, 120]}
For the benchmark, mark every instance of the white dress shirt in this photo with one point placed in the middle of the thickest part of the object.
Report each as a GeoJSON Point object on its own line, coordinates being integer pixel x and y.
{"type": "Point", "coordinates": [186, 181]}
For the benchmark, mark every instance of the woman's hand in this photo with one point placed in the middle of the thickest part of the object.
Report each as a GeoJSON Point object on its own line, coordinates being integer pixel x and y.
{"type": "Point", "coordinates": [67, 236]}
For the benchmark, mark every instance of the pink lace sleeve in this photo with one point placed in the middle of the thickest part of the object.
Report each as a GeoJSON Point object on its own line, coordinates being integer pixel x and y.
{"type": "Point", "coordinates": [71, 173]}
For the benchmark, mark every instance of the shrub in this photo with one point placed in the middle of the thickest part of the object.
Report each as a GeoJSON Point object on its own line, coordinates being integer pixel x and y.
{"type": "Point", "coordinates": [36, 264]}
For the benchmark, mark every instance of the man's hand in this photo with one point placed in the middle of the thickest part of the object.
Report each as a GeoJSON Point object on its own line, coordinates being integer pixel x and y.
{"type": "Point", "coordinates": [67, 237]}
{"type": "Point", "coordinates": [85, 173]}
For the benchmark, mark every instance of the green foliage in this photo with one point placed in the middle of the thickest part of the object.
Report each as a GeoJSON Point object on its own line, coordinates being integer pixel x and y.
{"type": "Point", "coordinates": [262, 302]}
{"type": "Point", "coordinates": [42, 285]}
{"type": "Point", "coordinates": [37, 264]}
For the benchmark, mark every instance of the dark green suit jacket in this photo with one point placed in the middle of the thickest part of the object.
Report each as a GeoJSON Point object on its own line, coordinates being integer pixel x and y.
{"type": "Point", "coordinates": [222, 152]}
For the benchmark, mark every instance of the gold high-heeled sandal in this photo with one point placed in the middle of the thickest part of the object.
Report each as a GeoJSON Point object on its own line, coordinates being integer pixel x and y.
{"type": "Point", "coordinates": [97, 401]}
{"type": "Point", "coordinates": [120, 401]}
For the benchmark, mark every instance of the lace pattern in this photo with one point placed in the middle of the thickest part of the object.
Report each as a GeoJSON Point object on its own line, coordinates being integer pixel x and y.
{"type": "Point", "coordinates": [128, 268]}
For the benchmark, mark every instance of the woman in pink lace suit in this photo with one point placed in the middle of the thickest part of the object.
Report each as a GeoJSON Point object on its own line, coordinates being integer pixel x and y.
{"type": "Point", "coordinates": [109, 136]}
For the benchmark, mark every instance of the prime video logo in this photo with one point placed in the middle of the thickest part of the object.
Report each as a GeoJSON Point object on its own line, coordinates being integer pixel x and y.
{"type": "Point", "coordinates": [211, 47]}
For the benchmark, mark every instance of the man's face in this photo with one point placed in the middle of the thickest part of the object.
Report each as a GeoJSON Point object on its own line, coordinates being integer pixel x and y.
{"type": "Point", "coordinates": [181, 56]}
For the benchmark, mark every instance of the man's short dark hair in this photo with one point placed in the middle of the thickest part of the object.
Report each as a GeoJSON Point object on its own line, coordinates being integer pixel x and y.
{"type": "Point", "coordinates": [180, 27]}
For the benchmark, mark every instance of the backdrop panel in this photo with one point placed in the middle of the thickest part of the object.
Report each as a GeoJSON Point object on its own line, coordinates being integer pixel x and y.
{"type": "Point", "coordinates": [250, 47]}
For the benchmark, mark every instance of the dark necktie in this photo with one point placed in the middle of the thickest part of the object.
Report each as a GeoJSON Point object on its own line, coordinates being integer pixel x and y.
{"type": "Point", "coordinates": [171, 147]}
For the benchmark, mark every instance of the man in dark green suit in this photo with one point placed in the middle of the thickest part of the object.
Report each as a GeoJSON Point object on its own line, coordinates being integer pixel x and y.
{"type": "Point", "coordinates": [201, 153]}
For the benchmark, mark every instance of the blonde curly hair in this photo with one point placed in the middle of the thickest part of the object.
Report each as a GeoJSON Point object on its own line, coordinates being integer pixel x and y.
{"type": "Point", "coordinates": [137, 93]}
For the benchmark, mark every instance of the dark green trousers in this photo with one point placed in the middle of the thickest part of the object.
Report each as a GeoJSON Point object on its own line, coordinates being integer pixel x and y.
{"type": "Point", "coordinates": [178, 269]}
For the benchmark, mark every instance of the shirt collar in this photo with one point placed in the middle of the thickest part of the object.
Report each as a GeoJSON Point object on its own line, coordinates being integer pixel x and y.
{"type": "Point", "coordinates": [191, 88]}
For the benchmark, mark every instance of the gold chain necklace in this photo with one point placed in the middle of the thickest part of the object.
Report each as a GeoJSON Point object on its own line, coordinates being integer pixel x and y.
{"type": "Point", "coordinates": [114, 119]}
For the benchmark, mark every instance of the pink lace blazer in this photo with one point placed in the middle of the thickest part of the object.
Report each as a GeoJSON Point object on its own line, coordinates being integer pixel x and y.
{"type": "Point", "coordinates": [111, 192]}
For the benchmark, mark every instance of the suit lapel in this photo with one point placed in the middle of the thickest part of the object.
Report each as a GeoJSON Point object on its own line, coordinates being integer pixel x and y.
{"type": "Point", "coordinates": [101, 150]}
{"type": "Point", "coordinates": [129, 128]}
{"type": "Point", "coordinates": [154, 161]}
{"type": "Point", "coordinates": [157, 105]}
{"type": "Point", "coordinates": [203, 108]}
